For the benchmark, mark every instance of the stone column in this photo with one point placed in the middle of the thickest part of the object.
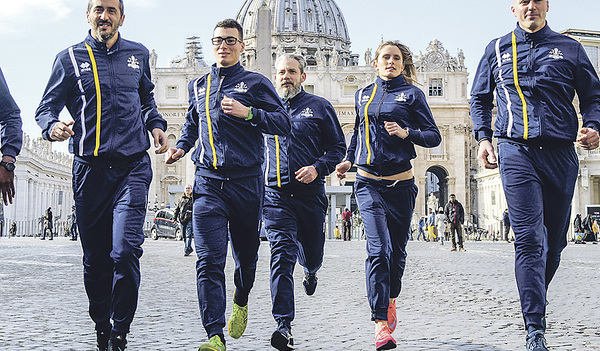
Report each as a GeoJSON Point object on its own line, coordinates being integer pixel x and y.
{"type": "Point", "coordinates": [263, 40]}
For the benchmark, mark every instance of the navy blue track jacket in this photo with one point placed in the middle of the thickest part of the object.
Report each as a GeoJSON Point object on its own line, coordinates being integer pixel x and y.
{"type": "Point", "coordinates": [108, 93]}
{"type": "Point", "coordinates": [11, 131]}
{"type": "Point", "coordinates": [231, 147]}
{"type": "Point", "coordinates": [395, 100]}
{"type": "Point", "coordinates": [535, 89]}
{"type": "Point", "coordinates": [316, 140]}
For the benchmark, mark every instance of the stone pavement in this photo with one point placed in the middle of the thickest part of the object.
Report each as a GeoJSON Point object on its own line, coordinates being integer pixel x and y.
{"type": "Point", "coordinates": [450, 300]}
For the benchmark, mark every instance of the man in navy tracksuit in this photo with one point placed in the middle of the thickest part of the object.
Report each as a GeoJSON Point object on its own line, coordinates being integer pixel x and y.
{"type": "Point", "coordinates": [295, 200]}
{"type": "Point", "coordinates": [12, 140]}
{"type": "Point", "coordinates": [229, 110]}
{"type": "Point", "coordinates": [105, 84]}
{"type": "Point", "coordinates": [535, 73]}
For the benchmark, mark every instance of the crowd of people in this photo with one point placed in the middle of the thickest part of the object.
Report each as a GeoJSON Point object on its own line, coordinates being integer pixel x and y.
{"type": "Point", "coordinates": [244, 132]}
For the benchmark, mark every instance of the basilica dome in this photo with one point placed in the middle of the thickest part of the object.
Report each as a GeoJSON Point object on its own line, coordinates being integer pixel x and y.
{"type": "Point", "coordinates": [313, 28]}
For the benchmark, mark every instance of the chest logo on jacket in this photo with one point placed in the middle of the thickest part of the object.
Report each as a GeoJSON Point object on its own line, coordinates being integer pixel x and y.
{"type": "Point", "coordinates": [401, 98]}
{"type": "Point", "coordinates": [307, 112]}
{"type": "Point", "coordinates": [506, 57]}
{"type": "Point", "coordinates": [85, 67]}
{"type": "Point", "coordinates": [364, 99]}
{"type": "Point", "coordinates": [556, 54]}
{"type": "Point", "coordinates": [201, 91]}
{"type": "Point", "coordinates": [241, 87]}
{"type": "Point", "coordinates": [133, 62]}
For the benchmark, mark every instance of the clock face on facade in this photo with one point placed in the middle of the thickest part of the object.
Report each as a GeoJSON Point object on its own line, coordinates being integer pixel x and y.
{"type": "Point", "coordinates": [435, 59]}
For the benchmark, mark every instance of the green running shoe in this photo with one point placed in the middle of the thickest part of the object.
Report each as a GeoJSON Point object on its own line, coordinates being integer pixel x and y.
{"type": "Point", "coordinates": [214, 344]}
{"type": "Point", "coordinates": [238, 321]}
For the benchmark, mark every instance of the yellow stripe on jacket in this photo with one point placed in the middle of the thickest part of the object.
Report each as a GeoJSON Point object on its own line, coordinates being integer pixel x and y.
{"type": "Point", "coordinates": [98, 99]}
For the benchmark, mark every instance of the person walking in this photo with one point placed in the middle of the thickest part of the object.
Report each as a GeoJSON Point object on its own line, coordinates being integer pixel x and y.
{"type": "Point", "coordinates": [455, 216]}
{"type": "Point", "coordinates": [578, 228]}
{"type": "Point", "coordinates": [104, 81]}
{"type": "Point", "coordinates": [391, 114]}
{"type": "Point", "coordinates": [506, 224]}
{"type": "Point", "coordinates": [431, 225]}
{"type": "Point", "coordinates": [183, 215]}
{"type": "Point", "coordinates": [295, 200]}
{"type": "Point", "coordinates": [48, 224]}
{"type": "Point", "coordinates": [440, 222]}
{"type": "Point", "coordinates": [73, 228]}
{"type": "Point", "coordinates": [347, 224]}
{"type": "Point", "coordinates": [230, 109]}
{"type": "Point", "coordinates": [11, 135]}
{"type": "Point", "coordinates": [533, 73]}
{"type": "Point", "coordinates": [422, 229]}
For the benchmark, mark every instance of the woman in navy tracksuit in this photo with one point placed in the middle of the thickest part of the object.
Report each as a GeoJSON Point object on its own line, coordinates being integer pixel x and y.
{"type": "Point", "coordinates": [391, 116]}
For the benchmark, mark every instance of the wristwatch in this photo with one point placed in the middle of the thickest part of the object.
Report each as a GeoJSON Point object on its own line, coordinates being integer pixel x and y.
{"type": "Point", "coordinates": [10, 166]}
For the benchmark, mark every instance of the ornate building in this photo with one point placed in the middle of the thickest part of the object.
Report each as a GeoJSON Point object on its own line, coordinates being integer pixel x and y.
{"type": "Point", "coordinates": [42, 180]}
{"type": "Point", "coordinates": [317, 30]}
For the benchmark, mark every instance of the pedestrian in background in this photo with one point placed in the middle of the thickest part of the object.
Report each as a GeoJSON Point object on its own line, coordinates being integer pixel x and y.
{"type": "Point", "coordinates": [183, 215]}
{"type": "Point", "coordinates": [230, 109]}
{"type": "Point", "coordinates": [347, 224]}
{"type": "Point", "coordinates": [431, 225]}
{"type": "Point", "coordinates": [73, 228]}
{"type": "Point", "coordinates": [455, 215]}
{"type": "Point", "coordinates": [578, 228]}
{"type": "Point", "coordinates": [48, 224]}
{"type": "Point", "coordinates": [11, 134]}
{"type": "Point", "coordinates": [295, 199]}
{"type": "Point", "coordinates": [104, 81]}
{"type": "Point", "coordinates": [422, 229]}
{"type": "Point", "coordinates": [440, 222]}
{"type": "Point", "coordinates": [533, 73]}
{"type": "Point", "coordinates": [391, 114]}
{"type": "Point", "coordinates": [336, 233]}
{"type": "Point", "coordinates": [506, 224]}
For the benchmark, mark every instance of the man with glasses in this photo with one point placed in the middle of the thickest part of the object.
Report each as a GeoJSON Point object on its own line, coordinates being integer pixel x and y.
{"type": "Point", "coordinates": [229, 110]}
{"type": "Point", "coordinates": [533, 73]}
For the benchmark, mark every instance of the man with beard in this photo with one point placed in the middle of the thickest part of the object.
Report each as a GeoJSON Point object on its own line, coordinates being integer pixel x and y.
{"type": "Point", "coordinates": [229, 110]}
{"type": "Point", "coordinates": [533, 74]}
{"type": "Point", "coordinates": [295, 200]}
{"type": "Point", "coordinates": [105, 84]}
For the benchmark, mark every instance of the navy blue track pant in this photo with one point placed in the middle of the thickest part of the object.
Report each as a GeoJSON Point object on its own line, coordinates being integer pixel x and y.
{"type": "Point", "coordinates": [111, 208]}
{"type": "Point", "coordinates": [386, 208]}
{"type": "Point", "coordinates": [539, 184]}
{"type": "Point", "coordinates": [222, 207]}
{"type": "Point", "coordinates": [294, 225]}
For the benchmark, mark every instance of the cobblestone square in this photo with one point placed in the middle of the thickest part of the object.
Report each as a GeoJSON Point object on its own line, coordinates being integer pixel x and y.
{"type": "Point", "coordinates": [450, 300]}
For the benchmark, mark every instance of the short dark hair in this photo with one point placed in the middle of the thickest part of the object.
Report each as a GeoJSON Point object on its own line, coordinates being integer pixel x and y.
{"type": "Point", "coordinates": [231, 23]}
{"type": "Point", "coordinates": [121, 6]}
{"type": "Point", "coordinates": [452, 195]}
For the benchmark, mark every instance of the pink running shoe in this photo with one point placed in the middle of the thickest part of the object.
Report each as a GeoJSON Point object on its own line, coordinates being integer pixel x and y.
{"type": "Point", "coordinates": [383, 338]}
{"type": "Point", "coordinates": [391, 315]}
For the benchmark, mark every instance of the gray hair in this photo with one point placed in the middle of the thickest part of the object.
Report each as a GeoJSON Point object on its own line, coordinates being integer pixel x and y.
{"type": "Point", "coordinates": [299, 58]}
{"type": "Point", "coordinates": [121, 6]}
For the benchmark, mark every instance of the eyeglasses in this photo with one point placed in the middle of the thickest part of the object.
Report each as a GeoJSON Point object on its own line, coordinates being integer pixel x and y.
{"type": "Point", "coordinates": [216, 41]}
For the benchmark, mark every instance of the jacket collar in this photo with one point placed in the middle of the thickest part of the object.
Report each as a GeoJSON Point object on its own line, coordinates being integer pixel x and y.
{"type": "Point", "coordinates": [392, 83]}
{"type": "Point", "coordinates": [537, 36]}
{"type": "Point", "coordinates": [301, 95]}
{"type": "Point", "coordinates": [101, 46]}
{"type": "Point", "coordinates": [226, 71]}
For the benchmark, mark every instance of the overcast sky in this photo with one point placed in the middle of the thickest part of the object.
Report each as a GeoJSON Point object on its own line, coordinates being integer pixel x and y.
{"type": "Point", "coordinates": [32, 32]}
